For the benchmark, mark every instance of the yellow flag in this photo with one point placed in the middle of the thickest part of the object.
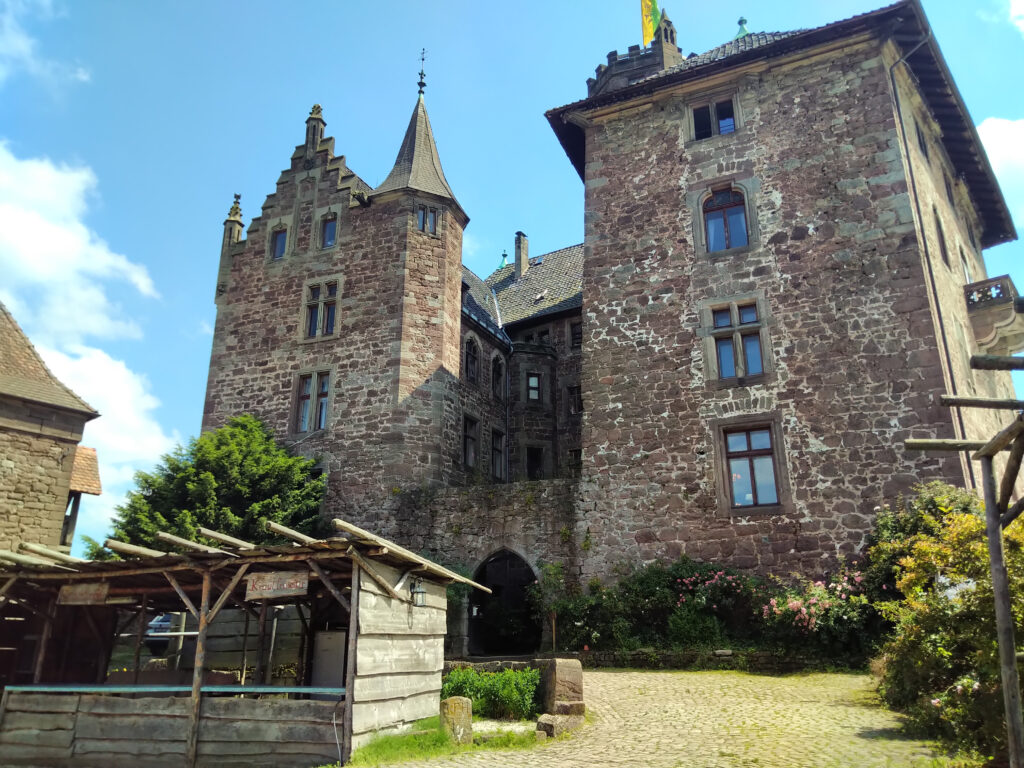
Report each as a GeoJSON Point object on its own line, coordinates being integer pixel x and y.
{"type": "Point", "coordinates": [651, 18]}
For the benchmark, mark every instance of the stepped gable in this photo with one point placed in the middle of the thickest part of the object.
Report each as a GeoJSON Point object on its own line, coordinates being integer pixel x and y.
{"type": "Point", "coordinates": [553, 283]}
{"type": "Point", "coordinates": [24, 375]}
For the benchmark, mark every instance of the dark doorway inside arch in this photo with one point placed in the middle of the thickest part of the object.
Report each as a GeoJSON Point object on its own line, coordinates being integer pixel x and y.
{"type": "Point", "coordinates": [501, 623]}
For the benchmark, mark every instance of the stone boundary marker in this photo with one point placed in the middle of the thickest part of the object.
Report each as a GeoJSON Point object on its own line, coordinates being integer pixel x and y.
{"type": "Point", "coordinates": [457, 718]}
{"type": "Point", "coordinates": [561, 695]}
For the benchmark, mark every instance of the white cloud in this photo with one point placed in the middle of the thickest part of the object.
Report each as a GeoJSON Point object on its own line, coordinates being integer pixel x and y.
{"type": "Point", "coordinates": [1004, 144]}
{"type": "Point", "coordinates": [205, 329]}
{"type": "Point", "coordinates": [1017, 14]}
{"type": "Point", "coordinates": [58, 281]}
{"type": "Point", "coordinates": [19, 50]}
{"type": "Point", "coordinates": [127, 436]}
{"type": "Point", "coordinates": [49, 254]}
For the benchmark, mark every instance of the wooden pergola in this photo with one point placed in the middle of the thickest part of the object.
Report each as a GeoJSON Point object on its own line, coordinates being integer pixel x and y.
{"type": "Point", "coordinates": [203, 578]}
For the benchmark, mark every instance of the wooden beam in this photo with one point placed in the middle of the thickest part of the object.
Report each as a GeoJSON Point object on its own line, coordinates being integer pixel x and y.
{"type": "Point", "coordinates": [329, 585]}
{"type": "Point", "coordinates": [44, 640]}
{"type": "Point", "coordinates": [288, 533]}
{"type": "Point", "coordinates": [1002, 440]}
{"type": "Point", "coordinates": [1010, 473]}
{"type": "Point", "coordinates": [1011, 514]}
{"type": "Point", "coordinates": [223, 538]}
{"type": "Point", "coordinates": [132, 549]}
{"type": "Point", "coordinates": [434, 568]}
{"type": "Point", "coordinates": [1004, 618]}
{"type": "Point", "coordinates": [350, 668]}
{"type": "Point", "coordinates": [981, 402]}
{"type": "Point", "coordinates": [60, 557]}
{"type": "Point", "coordinates": [374, 575]}
{"type": "Point", "coordinates": [192, 738]}
{"type": "Point", "coordinates": [228, 590]}
{"type": "Point", "coordinates": [261, 631]}
{"type": "Point", "coordinates": [181, 593]}
{"type": "Point", "coordinates": [170, 538]}
{"type": "Point", "coordinates": [997, 363]}
{"type": "Point", "coordinates": [140, 630]}
{"type": "Point", "coordinates": [943, 445]}
{"type": "Point", "coordinates": [28, 560]}
{"type": "Point", "coordinates": [10, 582]}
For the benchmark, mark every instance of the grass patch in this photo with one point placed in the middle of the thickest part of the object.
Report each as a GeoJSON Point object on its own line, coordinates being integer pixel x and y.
{"type": "Point", "coordinates": [427, 739]}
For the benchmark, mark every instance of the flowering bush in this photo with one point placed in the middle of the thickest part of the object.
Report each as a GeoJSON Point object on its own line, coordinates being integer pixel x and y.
{"type": "Point", "coordinates": [834, 618]}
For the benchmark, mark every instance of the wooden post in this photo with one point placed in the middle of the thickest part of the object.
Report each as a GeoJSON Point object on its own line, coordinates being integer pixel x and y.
{"type": "Point", "coordinates": [245, 647]}
{"type": "Point", "coordinates": [997, 363]}
{"type": "Point", "coordinates": [261, 630]}
{"type": "Point", "coordinates": [44, 639]}
{"type": "Point", "coordinates": [192, 742]}
{"type": "Point", "coordinates": [350, 666]}
{"type": "Point", "coordinates": [268, 674]}
{"type": "Point", "coordinates": [1004, 619]}
{"type": "Point", "coordinates": [139, 631]}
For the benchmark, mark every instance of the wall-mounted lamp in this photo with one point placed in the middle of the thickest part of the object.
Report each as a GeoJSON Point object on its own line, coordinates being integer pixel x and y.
{"type": "Point", "coordinates": [419, 594]}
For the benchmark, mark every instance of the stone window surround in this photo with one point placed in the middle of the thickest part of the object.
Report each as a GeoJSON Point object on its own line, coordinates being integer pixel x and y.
{"type": "Point", "coordinates": [304, 302]}
{"type": "Point", "coordinates": [429, 205]}
{"type": "Point", "coordinates": [545, 395]}
{"type": "Point", "coordinates": [320, 215]}
{"type": "Point", "coordinates": [723, 480]}
{"type": "Point", "coordinates": [275, 225]}
{"type": "Point", "coordinates": [710, 98]}
{"type": "Point", "coordinates": [750, 187]}
{"type": "Point", "coordinates": [706, 332]}
{"type": "Point", "coordinates": [293, 420]}
{"type": "Point", "coordinates": [470, 415]}
{"type": "Point", "coordinates": [466, 338]}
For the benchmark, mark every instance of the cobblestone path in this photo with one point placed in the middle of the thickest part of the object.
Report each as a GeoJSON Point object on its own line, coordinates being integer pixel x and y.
{"type": "Point", "coordinates": [722, 720]}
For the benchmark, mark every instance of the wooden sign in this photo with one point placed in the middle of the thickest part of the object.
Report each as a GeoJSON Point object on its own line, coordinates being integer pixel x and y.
{"type": "Point", "coordinates": [84, 594]}
{"type": "Point", "coordinates": [262, 586]}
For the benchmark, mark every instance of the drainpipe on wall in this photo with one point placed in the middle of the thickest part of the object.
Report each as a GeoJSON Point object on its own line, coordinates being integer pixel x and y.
{"type": "Point", "coordinates": [933, 289]}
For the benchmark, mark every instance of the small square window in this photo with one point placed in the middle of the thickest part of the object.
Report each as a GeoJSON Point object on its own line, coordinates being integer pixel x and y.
{"type": "Point", "coordinates": [328, 232]}
{"type": "Point", "coordinates": [717, 119]}
{"type": "Point", "coordinates": [278, 241]}
{"type": "Point", "coordinates": [722, 317]}
{"type": "Point", "coordinates": [748, 314]}
{"type": "Point", "coordinates": [544, 337]}
{"type": "Point", "coordinates": [533, 387]}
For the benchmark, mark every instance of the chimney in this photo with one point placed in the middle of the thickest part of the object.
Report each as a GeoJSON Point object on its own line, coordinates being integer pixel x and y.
{"type": "Point", "coordinates": [522, 254]}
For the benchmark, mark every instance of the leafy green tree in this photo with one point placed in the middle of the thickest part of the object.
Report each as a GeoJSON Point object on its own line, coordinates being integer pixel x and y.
{"type": "Point", "coordinates": [229, 480]}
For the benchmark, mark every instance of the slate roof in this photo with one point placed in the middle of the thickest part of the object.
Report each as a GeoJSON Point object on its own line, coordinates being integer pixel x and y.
{"type": "Point", "coordinates": [478, 304]}
{"type": "Point", "coordinates": [24, 375]}
{"type": "Point", "coordinates": [85, 471]}
{"type": "Point", "coordinates": [553, 283]}
{"type": "Point", "coordinates": [418, 166]}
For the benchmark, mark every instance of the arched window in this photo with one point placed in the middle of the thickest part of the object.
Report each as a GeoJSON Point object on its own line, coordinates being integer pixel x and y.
{"type": "Point", "coordinates": [472, 362]}
{"type": "Point", "coordinates": [725, 220]}
{"type": "Point", "coordinates": [498, 379]}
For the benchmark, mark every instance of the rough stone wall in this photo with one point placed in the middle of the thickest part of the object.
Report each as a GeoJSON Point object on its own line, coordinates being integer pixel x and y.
{"type": "Point", "coordinates": [35, 471]}
{"type": "Point", "coordinates": [960, 227]}
{"type": "Point", "coordinates": [852, 357]}
{"type": "Point", "coordinates": [393, 330]}
{"type": "Point", "coordinates": [478, 402]}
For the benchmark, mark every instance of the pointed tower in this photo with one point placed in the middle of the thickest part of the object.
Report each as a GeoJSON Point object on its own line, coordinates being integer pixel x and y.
{"type": "Point", "coordinates": [431, 222]}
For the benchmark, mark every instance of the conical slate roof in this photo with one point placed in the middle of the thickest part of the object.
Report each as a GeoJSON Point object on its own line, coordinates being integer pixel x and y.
{"type": "Point", "coordinates": [24, 375]}
{"type": "Point", "coordinates": [418, 166]}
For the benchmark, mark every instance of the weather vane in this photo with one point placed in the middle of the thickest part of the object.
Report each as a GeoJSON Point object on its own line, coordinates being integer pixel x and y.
{"type": "Point", "coordinates": [422, 83]}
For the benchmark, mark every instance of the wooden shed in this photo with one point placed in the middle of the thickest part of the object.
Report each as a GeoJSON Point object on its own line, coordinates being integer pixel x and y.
{"type": "Point", "coordinates": [370, 657]}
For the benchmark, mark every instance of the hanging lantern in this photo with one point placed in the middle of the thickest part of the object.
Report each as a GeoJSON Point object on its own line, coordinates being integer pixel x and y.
{"type": "Point", "coordinates": [419, 594]}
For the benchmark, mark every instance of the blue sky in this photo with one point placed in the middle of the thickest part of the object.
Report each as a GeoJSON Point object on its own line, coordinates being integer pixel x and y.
{"type": "Point", "coordinates": [126, 127]}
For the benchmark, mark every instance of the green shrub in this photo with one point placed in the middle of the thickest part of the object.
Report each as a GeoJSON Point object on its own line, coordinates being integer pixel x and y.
{"type": "Point", "coordinates": [507, 695]}
{"type": "Point", "coordinates": [688, 626]}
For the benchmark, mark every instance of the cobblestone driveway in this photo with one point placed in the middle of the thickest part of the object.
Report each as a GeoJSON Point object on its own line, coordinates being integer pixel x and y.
{"type": "Point", "coordinates": [722, 720]}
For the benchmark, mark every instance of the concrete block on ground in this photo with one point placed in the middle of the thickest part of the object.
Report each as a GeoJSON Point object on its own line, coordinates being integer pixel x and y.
{"type": "Point", "coordinates": [556, 725]}
{"type": "Point", "coordinates": [560, 680]}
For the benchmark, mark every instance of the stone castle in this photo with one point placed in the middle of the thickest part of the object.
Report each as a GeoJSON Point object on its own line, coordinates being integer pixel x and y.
{"type": "Point", "coordinates": [781, 272]}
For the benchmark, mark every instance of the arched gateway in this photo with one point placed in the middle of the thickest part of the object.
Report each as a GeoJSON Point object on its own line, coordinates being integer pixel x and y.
{"type": "Point", "coordinates": [502, 623]}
